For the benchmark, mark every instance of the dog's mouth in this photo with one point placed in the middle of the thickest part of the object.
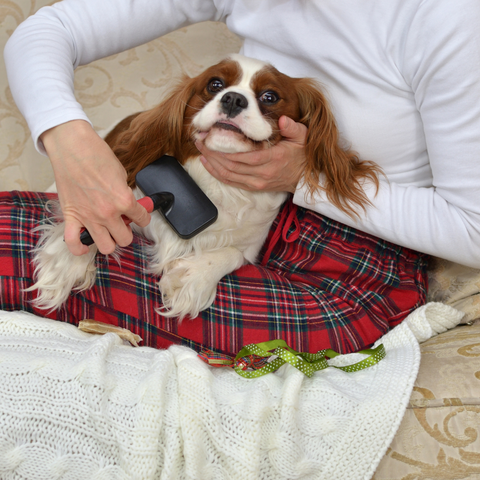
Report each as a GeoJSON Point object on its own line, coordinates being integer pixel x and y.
{"type": "Point", "coordinates": [220, 125]}
{"type": "Point", "coordinates": [228, 126]}
{"type": "Point", "coordinates": [239, 137]}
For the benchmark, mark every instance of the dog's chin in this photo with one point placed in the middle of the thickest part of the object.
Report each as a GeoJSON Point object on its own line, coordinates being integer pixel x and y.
{"type": "Point", "coordinates": [228, 139]}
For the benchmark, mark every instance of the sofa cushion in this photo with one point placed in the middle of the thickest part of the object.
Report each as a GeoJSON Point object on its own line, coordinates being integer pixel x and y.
{"type": "Point", "coordinates": [456, 285]}
{"type": "Point", "coordinates": [438, 437]}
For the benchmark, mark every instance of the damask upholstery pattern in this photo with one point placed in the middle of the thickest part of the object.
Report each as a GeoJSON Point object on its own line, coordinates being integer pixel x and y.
{"type": "Point", "coordinates": [439, 435]}
{"type": "Point", "coordinates": [438, 438]}
{"type": "Point", "coordinates": [457, 286]}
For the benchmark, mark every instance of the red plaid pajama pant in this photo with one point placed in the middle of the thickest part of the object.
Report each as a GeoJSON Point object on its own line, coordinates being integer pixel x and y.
{"type": "Point", "coordinates": [333, 287]}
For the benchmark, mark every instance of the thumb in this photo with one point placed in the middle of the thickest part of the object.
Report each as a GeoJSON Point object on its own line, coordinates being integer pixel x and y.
{"type": "Point", "coordinates": [291, 130]}
{"type": "Point", "coordinates": [140, 216]}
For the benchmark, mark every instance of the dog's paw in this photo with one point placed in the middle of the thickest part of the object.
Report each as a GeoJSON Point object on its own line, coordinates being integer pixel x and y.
{"type": "Point", "coordinates": [186, 288]}
{"type": "Point", "coordinates": [57, 271]}
{"type": "Point", "coordinates": [188, 285]}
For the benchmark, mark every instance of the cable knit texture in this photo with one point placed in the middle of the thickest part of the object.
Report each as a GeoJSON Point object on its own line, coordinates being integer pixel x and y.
{"type": "Point", "coordinates": [81, 406]}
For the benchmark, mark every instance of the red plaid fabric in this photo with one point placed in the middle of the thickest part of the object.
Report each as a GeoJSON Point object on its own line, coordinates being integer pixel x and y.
{"type": "Point", "coordinates": [333, 287]}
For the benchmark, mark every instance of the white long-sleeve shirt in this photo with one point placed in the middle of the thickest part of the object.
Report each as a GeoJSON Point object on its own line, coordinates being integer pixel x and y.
{"type": "Point", "coordinates": [402, 76]}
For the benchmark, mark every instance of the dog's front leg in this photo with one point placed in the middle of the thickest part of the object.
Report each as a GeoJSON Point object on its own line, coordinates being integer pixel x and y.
{"type": "Point", "coordinates": [58, 271]}
{"type": "Point", "coordinates": [189, 284]}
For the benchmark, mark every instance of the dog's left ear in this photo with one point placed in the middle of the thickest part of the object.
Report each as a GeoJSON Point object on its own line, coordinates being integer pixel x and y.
{"type": "Point", "coordinates": [344, 172]}
{"type": "Point", "coordinates": [140, 139]}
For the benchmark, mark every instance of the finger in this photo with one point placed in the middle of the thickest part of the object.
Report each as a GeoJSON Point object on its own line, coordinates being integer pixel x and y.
{"type": "Point", "coordinates": [139, 215]}
{"type": "Point", "coordinates": [121, 233]}
{"type": "Point", "coordinates": [219, 172]}
{"type": "Point", "coordinates": [72, 237]}
{"type": "Point", "coordinates": [225, 169]}
{"type": "Point", "coordinates": [102, 238]}
{"type": "Point", "coordinates": [238, 180]}
{"type": "Point", "coordinates": [291, 130]}
{"type": "Point", "coordinates": [235, 161]}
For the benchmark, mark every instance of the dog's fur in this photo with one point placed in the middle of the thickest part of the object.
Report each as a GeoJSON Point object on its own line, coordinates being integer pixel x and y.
{"type": "Point", "coordinates": [233, 106]}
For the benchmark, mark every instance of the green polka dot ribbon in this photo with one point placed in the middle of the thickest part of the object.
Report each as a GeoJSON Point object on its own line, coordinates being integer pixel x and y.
{"type": "Point", "coordinates": [258, 359]}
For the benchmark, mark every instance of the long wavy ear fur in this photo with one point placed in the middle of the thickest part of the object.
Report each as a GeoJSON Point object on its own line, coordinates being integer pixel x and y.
{"type": "Point", "coordinates": [344, 171]}
{"type": "Point", "coordinates": [141, 138]}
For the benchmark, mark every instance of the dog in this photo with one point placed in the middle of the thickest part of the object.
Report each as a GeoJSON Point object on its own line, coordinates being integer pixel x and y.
{"type": "Point", "coordinates": [233, 106]}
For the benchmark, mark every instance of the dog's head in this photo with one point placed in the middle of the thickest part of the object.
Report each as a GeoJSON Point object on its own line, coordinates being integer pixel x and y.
{"type": "Point", "coordinates": [237, 105]}
{"type": "Point", "coordinates": [234, 106]}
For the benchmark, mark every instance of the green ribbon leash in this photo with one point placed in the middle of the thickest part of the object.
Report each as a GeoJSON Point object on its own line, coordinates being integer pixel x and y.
{"type": "Point", "coordinates": [307, 363]}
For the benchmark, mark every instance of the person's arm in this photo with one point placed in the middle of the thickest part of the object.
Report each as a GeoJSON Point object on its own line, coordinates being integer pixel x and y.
{"type": "Point", "coordinates": [44, 50]}
{"type": "Point", "coordinates": [40, 58]}
{"type": "Point", "coordinates": [442, 65]}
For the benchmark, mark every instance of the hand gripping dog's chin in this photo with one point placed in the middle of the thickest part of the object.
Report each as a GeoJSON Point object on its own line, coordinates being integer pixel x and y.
{"type": "Point", "coordinates": [233, 106]}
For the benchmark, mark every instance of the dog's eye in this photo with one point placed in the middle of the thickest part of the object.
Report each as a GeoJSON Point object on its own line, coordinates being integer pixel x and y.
{"type": "Point", "coordinates": [269, 98]}
{"type": "Point", "coordinates": [215, 85]}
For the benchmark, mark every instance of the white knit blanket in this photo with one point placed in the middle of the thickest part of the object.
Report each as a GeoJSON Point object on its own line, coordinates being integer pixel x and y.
{"type": "Point", "coordinates": [76, 406]}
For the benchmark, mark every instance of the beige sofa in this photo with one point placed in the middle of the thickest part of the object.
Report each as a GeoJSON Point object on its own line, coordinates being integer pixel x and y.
{"type": "Point", "coordinates": [438, 438]}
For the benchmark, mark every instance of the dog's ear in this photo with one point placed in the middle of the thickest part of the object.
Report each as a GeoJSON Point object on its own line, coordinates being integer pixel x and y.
{"type": "Point", "coordinates": [141, 138]}
{"type": "Point", "coordinates": [344, 172]}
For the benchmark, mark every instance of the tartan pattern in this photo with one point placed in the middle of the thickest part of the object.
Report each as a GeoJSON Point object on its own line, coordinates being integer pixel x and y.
{"type": "Point", "coordinates": [334, 287]}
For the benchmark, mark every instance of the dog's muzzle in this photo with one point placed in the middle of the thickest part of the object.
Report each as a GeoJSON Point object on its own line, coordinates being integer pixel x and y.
{"type": "Point", "coordinates": [232, 103]}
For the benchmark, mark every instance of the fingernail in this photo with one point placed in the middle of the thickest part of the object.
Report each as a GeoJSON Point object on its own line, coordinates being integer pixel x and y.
{"type": "Point", "coordinates": [203, 159]}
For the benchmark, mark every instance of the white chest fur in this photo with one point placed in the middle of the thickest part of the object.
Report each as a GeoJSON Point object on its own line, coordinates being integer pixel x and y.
{"type": "Point", "coordinates": [191, 269]}
{"type": "Point", "coordinates": [244, 219]}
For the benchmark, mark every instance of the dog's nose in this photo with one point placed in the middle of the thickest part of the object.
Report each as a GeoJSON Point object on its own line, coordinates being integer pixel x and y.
{"type": "Point", "coordinates": [233, 103]}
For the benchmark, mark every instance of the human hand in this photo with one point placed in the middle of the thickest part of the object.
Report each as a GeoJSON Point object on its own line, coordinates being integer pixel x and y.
{"type": "Point", "coordinates": [275, 169]}
{"type": "Point", "coordinates": [92, 188]}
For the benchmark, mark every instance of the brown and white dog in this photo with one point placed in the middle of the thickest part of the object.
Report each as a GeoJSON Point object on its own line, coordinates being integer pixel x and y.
{"type": "Point", "coordinates": [233, 106]}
